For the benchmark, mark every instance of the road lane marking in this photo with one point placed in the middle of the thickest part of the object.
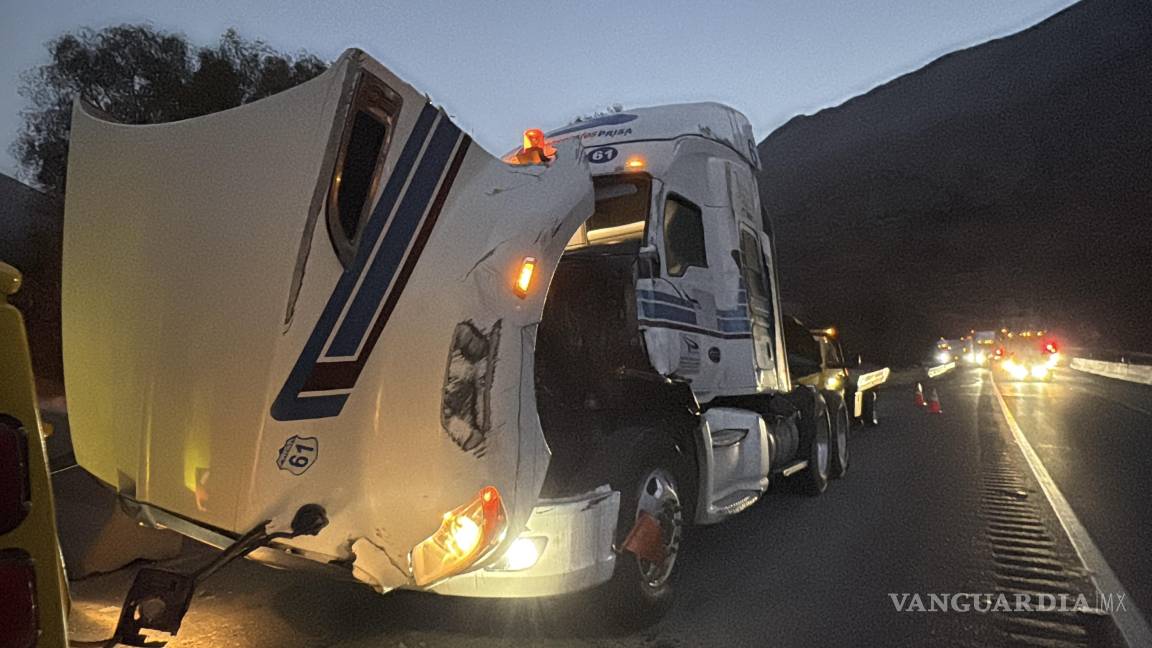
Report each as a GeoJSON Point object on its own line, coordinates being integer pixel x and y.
{"type": "Point", "coordinates": [1130, 621]}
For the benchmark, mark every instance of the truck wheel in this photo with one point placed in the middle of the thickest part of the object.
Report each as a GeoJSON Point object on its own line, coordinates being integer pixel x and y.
{"type": "Point", "coordinates": [641, 589]}
{"type": "Point", "coordinates": [840, 423]}
{"type": "Point", "coordinates": [869, 415]}
{"type": "Point", "coordinates": [818, 437]}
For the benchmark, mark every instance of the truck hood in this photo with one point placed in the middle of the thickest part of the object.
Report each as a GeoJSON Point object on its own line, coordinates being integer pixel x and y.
{"type": "Point", "coordinates": [228, 360]}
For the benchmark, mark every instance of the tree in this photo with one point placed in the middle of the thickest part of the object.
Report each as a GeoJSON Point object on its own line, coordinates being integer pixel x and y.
{"type": "Point", "coordinates": [140, 75]}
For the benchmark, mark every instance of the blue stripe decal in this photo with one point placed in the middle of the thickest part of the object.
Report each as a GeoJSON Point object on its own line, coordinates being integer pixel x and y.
{"type": "Point", "coordinates": [288, 404]}
{"type": "Point", "coordinates": [656, 295]}
{"type": "Point", "coordinates": [677, 326]}
{"type": "Point", "coordinates": [400, 232]}
{"type": "Point", "coordinates": [664, 311]}
{"type": "Point", "coordinates": [734, 326]}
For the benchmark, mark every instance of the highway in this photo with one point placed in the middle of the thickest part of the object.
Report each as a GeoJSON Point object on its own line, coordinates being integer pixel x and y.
{"type": "Point", "coordinates": [938, 504]}
{"type": "Point", "coordinates": [1094, 436]}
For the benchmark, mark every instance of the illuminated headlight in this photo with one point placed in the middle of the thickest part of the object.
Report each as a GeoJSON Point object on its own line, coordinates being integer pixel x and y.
{"type": "Point", "coordinates": [1017, 371]}
{"type": "Point", "coordinates": [832, 383]}
{"type": "Point", "coordinates": [943, 357]}
{"type": "Point", "coordinates": [1053, 358]}
{"type": "Point", "coordinates": [980, 357]}
{"type": "Point", "coordinates": [1039, 371]}
{"type": "Point", "coordinates": [524, 553]}
{"type": "Point", "coordinates": [466, 535]}
{"type": "Point", "coordinates": [970, 358]}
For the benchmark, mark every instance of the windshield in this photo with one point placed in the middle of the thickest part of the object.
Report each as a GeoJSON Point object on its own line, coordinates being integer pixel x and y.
{"type": "Point", "coordinates": [622, 207]}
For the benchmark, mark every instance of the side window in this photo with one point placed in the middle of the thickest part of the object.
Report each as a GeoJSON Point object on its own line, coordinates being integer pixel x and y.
{"type": "Point", "coordinates": [683, 236]}
{"type": "Point", "coordinates": [757, 281]}
{"type": "Point", "coordinates": [803, 349]}
{"type": "Point", "coordinates": [360, 162]}
{"type": "Point", "coordinates": [832, 354]}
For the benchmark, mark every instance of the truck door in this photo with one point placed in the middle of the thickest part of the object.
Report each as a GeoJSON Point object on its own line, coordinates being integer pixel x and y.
{"type": "Point", "coordinates": [752, 269]}
{"type": "Point", "coordinates": [678, 306]}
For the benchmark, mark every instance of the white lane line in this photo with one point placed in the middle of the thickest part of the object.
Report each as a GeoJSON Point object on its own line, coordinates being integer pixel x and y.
{"type": "Point", "coordinates": [1130, 621]}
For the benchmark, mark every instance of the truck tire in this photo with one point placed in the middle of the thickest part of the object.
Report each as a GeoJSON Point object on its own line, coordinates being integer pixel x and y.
{"type": "Point", "coordinates": [869, 414]}
{"type": "Point", "coordinates": [661, 485]}
{"type": "Point", "coordinates": [815, 439]}
{"type": "Point", "coordinates": [838, 434]}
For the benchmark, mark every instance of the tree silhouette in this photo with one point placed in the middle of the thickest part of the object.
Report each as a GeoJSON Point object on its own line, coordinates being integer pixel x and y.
{"type": "Point", "coordinates": [140, 75]}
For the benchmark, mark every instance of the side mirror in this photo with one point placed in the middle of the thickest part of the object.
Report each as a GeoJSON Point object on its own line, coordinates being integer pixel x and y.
{"type": "Point", "coordinates": [649, 262]}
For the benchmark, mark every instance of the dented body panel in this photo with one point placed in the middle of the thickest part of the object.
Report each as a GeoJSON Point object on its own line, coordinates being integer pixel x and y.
{"type": "Point", "coordinates": [226, 364]}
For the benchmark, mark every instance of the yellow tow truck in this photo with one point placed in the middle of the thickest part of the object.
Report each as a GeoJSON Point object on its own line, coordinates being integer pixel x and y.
{"type": "Point", "coordinates": [816, 358]}
{"type": "Point", "coordinates": [33, 590]}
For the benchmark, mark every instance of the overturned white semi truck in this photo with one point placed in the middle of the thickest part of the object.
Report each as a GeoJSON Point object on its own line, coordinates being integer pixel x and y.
{"type": "Point", "coordinates": [328, 328]}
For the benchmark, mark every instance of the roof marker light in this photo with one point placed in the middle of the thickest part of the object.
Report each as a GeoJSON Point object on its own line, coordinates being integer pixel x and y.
{"type": "Point", "coordinates": [635, 162]}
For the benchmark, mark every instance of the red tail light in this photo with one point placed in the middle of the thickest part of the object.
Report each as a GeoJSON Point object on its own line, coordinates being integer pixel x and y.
{"type": "Point", "coordinates": [13, 477]}
{"type": "Point", "coordinates": [19, 623]}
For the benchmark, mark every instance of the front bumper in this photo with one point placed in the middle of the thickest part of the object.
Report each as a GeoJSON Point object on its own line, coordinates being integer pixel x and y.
{"type": "Point", "coordinates": [578, 554]}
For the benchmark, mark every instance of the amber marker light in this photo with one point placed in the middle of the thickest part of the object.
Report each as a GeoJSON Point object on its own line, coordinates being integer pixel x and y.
{"type": "Point", "coordinates": [524, 277]}
{"type": "Point", "coordinates": [466, 535]}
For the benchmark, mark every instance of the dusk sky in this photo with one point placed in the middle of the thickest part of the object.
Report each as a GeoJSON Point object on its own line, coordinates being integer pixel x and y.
{"type": "Point", "coordinates": [500, 67]}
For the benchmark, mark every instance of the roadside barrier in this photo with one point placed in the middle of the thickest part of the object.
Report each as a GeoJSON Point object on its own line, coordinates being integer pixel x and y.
{"type": "Point", "coordinates": [1118, 370]}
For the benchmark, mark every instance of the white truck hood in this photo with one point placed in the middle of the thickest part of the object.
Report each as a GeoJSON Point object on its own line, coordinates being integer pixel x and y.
{"type": "Point", "coordinates": [222, 363]}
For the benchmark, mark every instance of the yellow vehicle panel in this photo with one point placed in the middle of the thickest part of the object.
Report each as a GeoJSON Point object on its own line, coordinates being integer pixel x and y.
{"type": "Point", "coordinates": [36, 535]}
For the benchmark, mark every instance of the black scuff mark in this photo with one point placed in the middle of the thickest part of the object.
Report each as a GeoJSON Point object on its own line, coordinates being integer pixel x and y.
{"type": "Point", "coordinates": [487, 255]}
{"type": "Point", "coordinates": [465, 406]}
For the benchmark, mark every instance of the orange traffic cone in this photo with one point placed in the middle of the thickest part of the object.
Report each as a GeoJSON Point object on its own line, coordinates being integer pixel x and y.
{"type": "Point", "coordinates": [934, 403]}
{"type": "Point", "coordinates": [919, 395]}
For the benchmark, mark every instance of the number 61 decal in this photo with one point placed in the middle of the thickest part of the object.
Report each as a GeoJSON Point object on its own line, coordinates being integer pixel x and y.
{"type": "Point", "coordinates": [298, 454]}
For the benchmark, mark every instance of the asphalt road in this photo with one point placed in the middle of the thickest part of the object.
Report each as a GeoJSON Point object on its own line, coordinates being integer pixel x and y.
{"type": "Point", "coordinates": [931, 504]}
{"type": "Point", "coordinates": [1094, 435]}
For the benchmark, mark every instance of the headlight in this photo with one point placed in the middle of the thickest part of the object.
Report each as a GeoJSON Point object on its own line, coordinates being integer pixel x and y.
{"type": "Point", "coordinates": [1039, 371]}
{"type": "Point", "coordinates": [466, 535]}
{"type": "Point", "coordinates": [1017, 371]}
{"type": "Point", "coordinates": [523, 554]}
{"type": "Point", "coordinates": [943, 357]}
{"type": "Point", "coordinates": [980, 357]}
{"type": "Point", "coordinates": [1053, 358]}
{"type": "Point", "coordinates": [832, 383]}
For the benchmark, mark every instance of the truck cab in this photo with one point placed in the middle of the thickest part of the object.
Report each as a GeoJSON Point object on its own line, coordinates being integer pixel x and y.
{"type": "Point", "coordinates": [578, 346]}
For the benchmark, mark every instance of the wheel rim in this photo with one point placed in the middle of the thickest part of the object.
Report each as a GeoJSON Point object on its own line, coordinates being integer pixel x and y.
{"type": "Point", "coordinates": [658, 498]}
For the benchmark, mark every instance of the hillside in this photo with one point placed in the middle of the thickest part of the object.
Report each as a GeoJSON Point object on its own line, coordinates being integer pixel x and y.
{"type": "Point", "coordinates": [1010, 181]}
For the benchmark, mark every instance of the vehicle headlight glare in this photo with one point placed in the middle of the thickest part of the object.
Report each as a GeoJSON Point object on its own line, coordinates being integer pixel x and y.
{"type": "Point", "coordinates": [523, 554]}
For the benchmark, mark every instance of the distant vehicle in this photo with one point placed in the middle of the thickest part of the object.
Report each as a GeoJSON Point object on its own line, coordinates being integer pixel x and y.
{"type": "Point", "coordinates": [948, 351]}
{"type": "Point", "coordinates": [979, 348]}
{"type": "Point", "coordinates": [33, 591]}
{"type": "Point", "coordinates": [451, 372]}
{"type": "Point", "coordinates": [1029, 355]}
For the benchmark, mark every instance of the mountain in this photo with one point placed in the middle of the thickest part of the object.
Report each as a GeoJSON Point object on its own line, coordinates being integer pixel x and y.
{"type": "Point", "coordinates": [1009, 183]}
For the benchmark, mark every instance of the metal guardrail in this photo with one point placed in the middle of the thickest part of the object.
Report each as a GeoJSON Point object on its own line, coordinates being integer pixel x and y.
{"type": "Point", "coordinates": [940, 370]}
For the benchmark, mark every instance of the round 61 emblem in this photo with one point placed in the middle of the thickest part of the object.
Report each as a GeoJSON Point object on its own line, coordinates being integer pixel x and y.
{"type": "Point", "coordinates": [602, 154]}
{"type": "Point", "coordinates": [298, 454]}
